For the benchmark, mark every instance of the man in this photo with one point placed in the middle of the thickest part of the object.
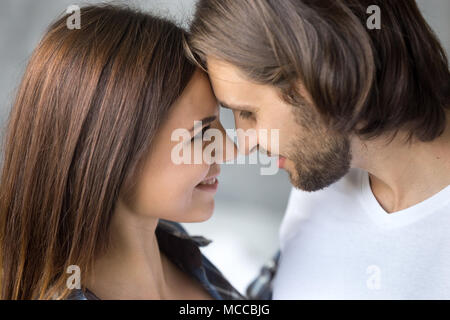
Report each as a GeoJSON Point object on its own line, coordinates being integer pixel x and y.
{"type": "Point", "coordinates": [364, 126]}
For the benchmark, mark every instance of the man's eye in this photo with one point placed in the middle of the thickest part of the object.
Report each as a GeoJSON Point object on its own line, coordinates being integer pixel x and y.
{"type": "Point", "coordinates": [245, 115]}
{"type": "Point", "coordinates": [201, 133]}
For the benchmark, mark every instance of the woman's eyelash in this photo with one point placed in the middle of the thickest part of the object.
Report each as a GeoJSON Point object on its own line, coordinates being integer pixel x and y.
{"type": "Point", "coordinates": [245, 114]}
{"type": "Point", "coordinates": [201, 133]}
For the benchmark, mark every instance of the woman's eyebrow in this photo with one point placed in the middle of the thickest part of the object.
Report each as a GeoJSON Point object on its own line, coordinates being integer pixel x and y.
{"type": "Point", "coordinates": [204, 122]}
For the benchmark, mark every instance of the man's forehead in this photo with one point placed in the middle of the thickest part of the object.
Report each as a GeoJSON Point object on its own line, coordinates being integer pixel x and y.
{"type": "Point", "coordinates": [220, 70]}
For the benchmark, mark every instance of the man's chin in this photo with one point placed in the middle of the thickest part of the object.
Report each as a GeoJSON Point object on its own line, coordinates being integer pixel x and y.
{"type": "Point", "coordinates": [294, 178]}
{"type": "Point", "coordinates": [311, 182]}
{"type": "Point", "coordinates": [301, 185]}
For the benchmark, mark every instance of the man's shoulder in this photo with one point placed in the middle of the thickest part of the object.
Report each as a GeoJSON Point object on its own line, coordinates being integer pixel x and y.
{"type": "Point", "coordinates": [301, 207]}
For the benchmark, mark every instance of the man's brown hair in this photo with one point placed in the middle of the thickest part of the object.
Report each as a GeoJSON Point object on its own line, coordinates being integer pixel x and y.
{"type": "Point", "coordinates": [362, 81]}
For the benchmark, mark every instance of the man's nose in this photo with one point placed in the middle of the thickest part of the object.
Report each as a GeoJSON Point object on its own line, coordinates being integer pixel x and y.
{"type": "Point", "coordinates": [229, 150]}
{"type": "Point", "coordinates": [247, 140]}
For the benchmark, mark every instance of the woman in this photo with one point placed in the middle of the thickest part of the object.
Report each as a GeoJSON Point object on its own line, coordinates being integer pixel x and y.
{"type": "Point", "coordinates": [88, 186]}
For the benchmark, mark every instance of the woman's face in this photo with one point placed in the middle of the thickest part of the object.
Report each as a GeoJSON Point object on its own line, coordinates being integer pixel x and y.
{"type": "Point", "coordinates": [183, 192]}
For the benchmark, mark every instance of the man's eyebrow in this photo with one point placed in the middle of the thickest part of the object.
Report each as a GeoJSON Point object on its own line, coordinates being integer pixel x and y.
{"type": "Point", "coordinates": [204, 122]}
{"type": "Point", "coordinates": [235, 107]}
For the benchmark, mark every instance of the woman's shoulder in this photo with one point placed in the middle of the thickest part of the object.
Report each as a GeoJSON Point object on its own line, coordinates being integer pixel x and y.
{"type": "Point", "coordinates": [177, 230]}
{"type": "Point", "coordinates": [183, 249]}
{"type": "Point", "coordinates": [82, 294]}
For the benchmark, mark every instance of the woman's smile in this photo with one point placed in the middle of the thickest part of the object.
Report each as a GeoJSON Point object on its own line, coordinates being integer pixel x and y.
{"type": "Point", "coordinates": [209, 184]}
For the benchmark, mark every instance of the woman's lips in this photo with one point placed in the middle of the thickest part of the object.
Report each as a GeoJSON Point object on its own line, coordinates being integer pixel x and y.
{"type": "Point", "coordinates": [281, 162]}
{"type": "Point", "coordinates": [210, 185]}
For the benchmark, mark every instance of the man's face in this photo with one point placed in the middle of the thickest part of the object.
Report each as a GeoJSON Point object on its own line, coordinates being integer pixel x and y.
{"type": "Point", "coordinates": [314, 156]}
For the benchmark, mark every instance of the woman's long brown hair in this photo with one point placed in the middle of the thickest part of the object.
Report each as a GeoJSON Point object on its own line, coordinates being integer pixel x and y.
{"type": "Point", "coordinates": [89, 104]}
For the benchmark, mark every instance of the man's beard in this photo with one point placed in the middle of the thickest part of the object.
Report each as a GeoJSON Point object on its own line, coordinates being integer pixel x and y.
{"type": "Point", "coordinates": [317, 170]}
{"type": "Point", "coordinates": [320, 156]}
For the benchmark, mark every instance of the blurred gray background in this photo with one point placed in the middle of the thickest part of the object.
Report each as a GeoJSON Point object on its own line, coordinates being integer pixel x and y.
{"type": "Point", "coordinates": [249, 206]}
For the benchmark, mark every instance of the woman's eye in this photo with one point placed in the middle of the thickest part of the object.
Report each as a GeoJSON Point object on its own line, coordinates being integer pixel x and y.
{"type": "Point", "coordinates": [201, 133]}
{"type": "Point", "coordinates": [245, 115]}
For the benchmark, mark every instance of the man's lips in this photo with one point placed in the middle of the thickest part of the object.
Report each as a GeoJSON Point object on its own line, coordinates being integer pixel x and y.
{"type": "Point", "coordinates": [281, 162]}
{"type": "Point", "coordinates": [281, 159]}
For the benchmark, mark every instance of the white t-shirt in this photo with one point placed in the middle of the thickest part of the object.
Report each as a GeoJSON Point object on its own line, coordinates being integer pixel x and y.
{"type": "Point", "coordinates": [339, 243]}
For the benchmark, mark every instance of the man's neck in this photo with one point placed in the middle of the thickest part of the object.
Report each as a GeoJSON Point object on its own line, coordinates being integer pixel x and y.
{"type": "Point", "coordinates": [403, 175]}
